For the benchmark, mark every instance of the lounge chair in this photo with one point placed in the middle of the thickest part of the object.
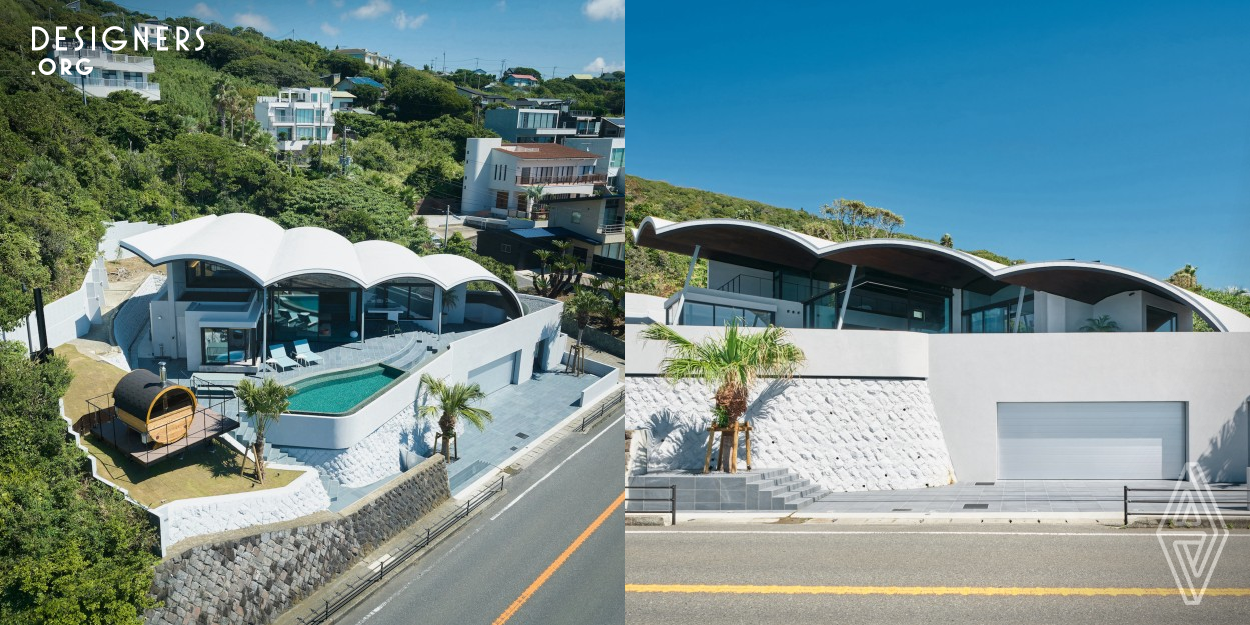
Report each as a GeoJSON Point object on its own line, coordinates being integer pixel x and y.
{"type": "Point", "coordinates": [279, 358]}
{"type": "Point", "coordinates": [304, 354]}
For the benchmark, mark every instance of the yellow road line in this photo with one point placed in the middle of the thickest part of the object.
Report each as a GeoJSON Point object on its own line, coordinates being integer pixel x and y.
{"type": "Point", "coordinates": [986, 591]}
{"type": "Point", "coordinates": [559, 561]}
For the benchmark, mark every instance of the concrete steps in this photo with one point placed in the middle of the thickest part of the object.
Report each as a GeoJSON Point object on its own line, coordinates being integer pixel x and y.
{"type": "Point", "coordinates": [759, 489]}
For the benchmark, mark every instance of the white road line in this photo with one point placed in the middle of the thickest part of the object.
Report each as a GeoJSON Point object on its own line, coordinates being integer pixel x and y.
{"type": "Point", "coordinates": [895, 533]}
{"type": "Point", "coordinates": [556, 468]}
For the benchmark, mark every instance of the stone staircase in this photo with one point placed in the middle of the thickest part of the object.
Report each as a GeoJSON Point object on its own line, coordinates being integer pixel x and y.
{"type": "Point", "coordinates": [246, 435]}
{"type": "Point", "coordinates": [759, 489]}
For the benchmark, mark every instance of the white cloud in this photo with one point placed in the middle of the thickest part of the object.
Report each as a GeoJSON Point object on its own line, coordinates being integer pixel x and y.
{"type": "Point", "coordinates": [372, 9]}
{"type": "Point", "coordinates": [253, 20]}
{"type": "Point", "coordinates": [599, 66]}
{"type": "Point", "coordinates": [402, 21]}
{"type": "Point", "coordinates": [604, 9]}
{"type": "Point", "coordinates": [328, 29]}
{"type": "Point", "coordinates": [203, 11]}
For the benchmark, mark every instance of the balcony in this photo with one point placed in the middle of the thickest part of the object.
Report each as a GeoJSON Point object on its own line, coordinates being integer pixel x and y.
{"type": "Point", "coordinates": [537, 214]}
{"type": "Point", "coordinates": [136, 63]}
{"type": "Point", "coordinates": [101, 87]}
{"type": "Point", "coordinates": [550, 180]}
{"type": "Point", "coordinates": [615, 228]}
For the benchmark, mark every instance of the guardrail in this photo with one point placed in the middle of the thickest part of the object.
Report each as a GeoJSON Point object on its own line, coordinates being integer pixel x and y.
{"type": "Point", "coordinates": [672, 500]}
{"type": "Point", "coordinates": [590, 418]}
{"type": "Point", "coordinates": [1230, 502]}
{"type": "Point", "coordinates": [360, 585]}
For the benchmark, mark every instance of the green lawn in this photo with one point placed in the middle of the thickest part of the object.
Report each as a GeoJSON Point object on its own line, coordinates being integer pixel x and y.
{"type": "Point", "coordinates": [208, 469]}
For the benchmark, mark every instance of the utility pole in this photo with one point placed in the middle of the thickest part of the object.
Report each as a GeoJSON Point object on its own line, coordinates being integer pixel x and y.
{"type": "Point", "coordinates": [444, 61]}
{"type": "Point", "coordinates": [343, 158]}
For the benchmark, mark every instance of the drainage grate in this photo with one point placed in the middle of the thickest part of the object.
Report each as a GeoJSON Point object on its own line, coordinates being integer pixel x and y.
{"type": "Point", "coordinates": [901, 510]}
{"type": "Point", "coordinates": [522, 435]}
{"type": "Point", "coordinates": [513, 448]}
{"type": "Point", "coordinates": [976, 506]}
{"type": "Point", "coordinates": [983, 483]}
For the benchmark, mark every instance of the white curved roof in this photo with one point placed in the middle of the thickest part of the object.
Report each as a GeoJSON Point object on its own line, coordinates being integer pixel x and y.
{"type": "Point", "coordinates": [267, 253]}
{"type": "Point", "coordinates": [1033, 275]}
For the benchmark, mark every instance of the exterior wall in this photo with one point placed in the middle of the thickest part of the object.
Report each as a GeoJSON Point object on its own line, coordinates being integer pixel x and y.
{"type": "Point", "coordinates": [477, 195]}
{"type": "Point", "coordinates": [830, 353]}
{"type": "Point", "coordinates": [267, 109]}
{"type": "Point", "coordinates": [253, 576]}
{"type": "Point", "coordinates": [118, 230]}
{"type": "Point", "coordinates": [341, 432]}
{"type": "Point", "coordinates": [843, 435]}
{"type": "Point", "coordinates": [68, 317]}
{"type": "Point", "coordinates": [786, 314]}
{"type": "Point", "coordinates": [971, 374]}
{"type": "Point", "coordinates": [101, 59]}
{"type": "Point", "coordinates": [602, 146]}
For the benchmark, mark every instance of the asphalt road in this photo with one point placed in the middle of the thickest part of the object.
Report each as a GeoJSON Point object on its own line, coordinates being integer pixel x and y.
{"type": "Point", "coordinates": [479, 573]}
{"type": "Point", "coordinates": [848, 560]}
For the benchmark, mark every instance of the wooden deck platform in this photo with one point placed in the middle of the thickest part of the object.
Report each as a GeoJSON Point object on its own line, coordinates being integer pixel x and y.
{"type": "Point", "coordinates": [206, 425]}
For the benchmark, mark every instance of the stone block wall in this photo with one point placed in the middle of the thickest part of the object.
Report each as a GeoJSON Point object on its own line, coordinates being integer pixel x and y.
{"type": "Point", "coordinates": [247, 577]}
{"type": "Point", "coordinates": [841, 434]}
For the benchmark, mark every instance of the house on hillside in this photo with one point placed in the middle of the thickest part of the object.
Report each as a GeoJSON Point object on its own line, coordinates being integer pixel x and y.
{"type": "Point", "coordinates": [341, 100]}
{"type": "Point", "coordinates": [297, 117]}
{"type": "Point", "coordinates": [351, 83]}
{"type": "Point", "coordinates": [482, 96]}
{"type": "Point", "coordinates": [928, 365]}
{"type": "Point", "coordinates": [521, 81]}
{"type": "Point", "coordinates": [372, 59]}
{"type": "Point", "coordinates": [110, 72]}
{"type": "Point", "coordinates": [582, 77]}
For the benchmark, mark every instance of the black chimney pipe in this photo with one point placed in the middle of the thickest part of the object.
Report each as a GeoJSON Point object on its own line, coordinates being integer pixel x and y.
{"type": "Point", "coordinates": [44, 351]}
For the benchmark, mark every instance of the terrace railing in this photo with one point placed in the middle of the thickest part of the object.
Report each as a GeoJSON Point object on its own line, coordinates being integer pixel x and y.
{"type": "Point", "coordinates": [589, 419]}
{"type": "Point", "coordinates": [546, 180]}
{"type": "Point", "coordinates": [671, 499]}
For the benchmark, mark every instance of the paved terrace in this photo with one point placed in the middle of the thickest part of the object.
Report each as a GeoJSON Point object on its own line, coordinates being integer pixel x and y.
{"type": "Point", "coordinates": [1013, 496]}
{"type": "Point", "coordinates": [522, 413]}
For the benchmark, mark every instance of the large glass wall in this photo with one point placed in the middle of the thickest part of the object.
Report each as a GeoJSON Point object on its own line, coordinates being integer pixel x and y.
{"type": "Point", "coordinates": [796, 286]}
{"type": "Point", "coordinates": [996, 313]}
{"type": "Point", "coordinates": [401, 300]}
{"type": "Point", "coordinates": [317, 307]}
{"type": "Point", "coordinates": [202, 274]}
{"type": "Point", "coordinates": [701, 314]}
{"type": "Point", "coordinates": [880, 301]}
{"type": "Point", "coordinates": [1159, 320]}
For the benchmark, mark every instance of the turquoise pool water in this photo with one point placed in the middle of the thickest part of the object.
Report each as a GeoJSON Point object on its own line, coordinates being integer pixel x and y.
{"type": "Point", "coordinates": [341, 391]}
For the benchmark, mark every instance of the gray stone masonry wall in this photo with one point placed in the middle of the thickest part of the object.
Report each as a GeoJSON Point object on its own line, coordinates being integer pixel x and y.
{"type": "Point", "coordinates": [252, 576]}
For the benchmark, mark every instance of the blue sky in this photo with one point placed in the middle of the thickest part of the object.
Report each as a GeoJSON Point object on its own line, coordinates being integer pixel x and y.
{"type": "Point", "coordinates": [571, 35]}
{"type": "Point", "coordinates": [1104, 131]}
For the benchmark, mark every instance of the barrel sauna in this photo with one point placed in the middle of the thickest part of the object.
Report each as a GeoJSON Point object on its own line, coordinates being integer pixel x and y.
{"type": "Point", "coordinates": [159, 412]}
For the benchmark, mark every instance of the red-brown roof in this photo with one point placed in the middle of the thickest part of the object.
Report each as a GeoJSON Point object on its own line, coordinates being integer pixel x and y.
{"type": "Point", "coordinates": [544, 150]}
{"type": "Point", "coordinates": [524, 76]}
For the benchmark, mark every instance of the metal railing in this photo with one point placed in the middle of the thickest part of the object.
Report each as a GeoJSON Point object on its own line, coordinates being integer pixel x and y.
{"type": "Point", "coordinates": [735, 284]}
{"type": "Point", "coordinates": [356, 588]}
{"type": "Point", "coordinates": [103, 413]}
{"type": "Point", "coordinates": [1231, 502]}
{"type": "Point", "coordinates": [672, 500]}
{"type": "Point", "coordinates": [615, 228]}
{"type": "Point", "coordinates": [138, 85]}
{"type": "Point", "coordinates": [89, 53]}
{"type": "Point", "coordinates": [575, 179]}
{"type": "Point", "coordinates": [590, 418]}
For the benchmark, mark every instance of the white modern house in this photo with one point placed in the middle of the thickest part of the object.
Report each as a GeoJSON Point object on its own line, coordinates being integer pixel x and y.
{"type": "Point", "coordinates": [111, 72]}
{"type": "Point", "coordinates": [927, 365]}
{"type": "Point", "coordinates": [298, 117]}
{"type": "Point", "coordinates": [371, 58]}
{"type": "Point", "coordinates": [498, 176]}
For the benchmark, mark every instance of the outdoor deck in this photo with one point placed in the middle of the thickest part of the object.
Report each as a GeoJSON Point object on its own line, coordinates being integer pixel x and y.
{"type": "Point", "coordinates": [206, 425]}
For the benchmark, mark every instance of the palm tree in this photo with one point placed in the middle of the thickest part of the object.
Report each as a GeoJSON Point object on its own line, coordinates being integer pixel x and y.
{"type": "Point", "coordinates": [534, 195]}
{"type": "Point", "coordinates": [452, 403]}
{"type": "Point", "coordinates": [1186, 277]}
{"type": "Point", "coordinates": [264, 403]}
{"type": "Point", "coordinates": [224, 96]}
{"type": "Point", "coordinates": [585, 304]}
{"type": "Point", "coordinates": [1103, 323]}
{"type": "Point", "coordinates": [732, 364]}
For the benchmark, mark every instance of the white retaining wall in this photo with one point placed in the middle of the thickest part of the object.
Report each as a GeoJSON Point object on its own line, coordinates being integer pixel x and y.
{"type": "Point", "coordinates": [842, 434]}
{"type": "Point", "coordinates": [68, 317]}
{"type": "Point", "coordinates": [118, 230]}
{"type": "Point", "coordinates": [185, 518]}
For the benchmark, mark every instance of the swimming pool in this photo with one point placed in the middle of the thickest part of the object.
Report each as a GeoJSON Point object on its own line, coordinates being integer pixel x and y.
{"type": "Point", "coordinates": [342, 391]}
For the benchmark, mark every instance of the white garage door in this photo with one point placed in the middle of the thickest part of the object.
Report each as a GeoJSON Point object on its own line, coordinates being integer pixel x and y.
{"type": "Point", "coordinates": [494, 375]}
{"type": "Point", "coordinates": [1091, 441]}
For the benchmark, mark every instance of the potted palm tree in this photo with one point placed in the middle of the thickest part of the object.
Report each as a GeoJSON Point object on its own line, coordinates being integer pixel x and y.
{"type": "Point", "coordinates": [731, 364]}
{"type": "Point", "coordinates": [450, 403]}
{"type": "Point", "coordinates": [581, 308]}
{"type": "Point", "coordinates": [264, 403]}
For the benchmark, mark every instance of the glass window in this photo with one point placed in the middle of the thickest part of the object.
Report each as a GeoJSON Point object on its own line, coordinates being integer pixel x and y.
{"type": "Point", "coordinates": [1159, 320]}
{"type": "Point", "coordinates": [409, 301]}
{"type": "Point", "coordinates": [226, 346]}
{"type": "Point", "coordinates": [700, 314]}
{"type": "Point", "coordinates": [303, 116]}
{"type": "Point", "coordinates": [996, 313]}
{"type": "Point", "coordinates": [304, 133]}
{"type": "Point", "coordinates": [576, 217]}
{"type": "Point", "coordinates": [618, 157]}
{"type": "Point", "coordinates": [205, 275]}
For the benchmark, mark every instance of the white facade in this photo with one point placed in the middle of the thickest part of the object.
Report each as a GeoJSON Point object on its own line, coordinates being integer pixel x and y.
{"type": "Point", "coordinates": [372, 59]}
{"type": "Point", "coordinates": [111, 72]}
{"type": "Point", "coordinates": [498, 175]}
{"type": "Point", "coordinates": [612, 151]}
{"type": "Point", "coordinates": [298, 118]}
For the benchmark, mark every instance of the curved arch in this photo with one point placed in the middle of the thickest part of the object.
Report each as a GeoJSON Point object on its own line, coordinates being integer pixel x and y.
{"type": "Point", "coordinates": [1088, 282]}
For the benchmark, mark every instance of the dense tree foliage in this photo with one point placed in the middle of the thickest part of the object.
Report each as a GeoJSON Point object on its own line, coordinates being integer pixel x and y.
{"type": "Point", "coordinates": [72, 550]}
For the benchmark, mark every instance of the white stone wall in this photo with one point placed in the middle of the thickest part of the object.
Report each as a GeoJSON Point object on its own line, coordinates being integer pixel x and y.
{"type": "Point", "coordinates": [185, 518]}
{"type": "Point", "coordinates": [842, 434]}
